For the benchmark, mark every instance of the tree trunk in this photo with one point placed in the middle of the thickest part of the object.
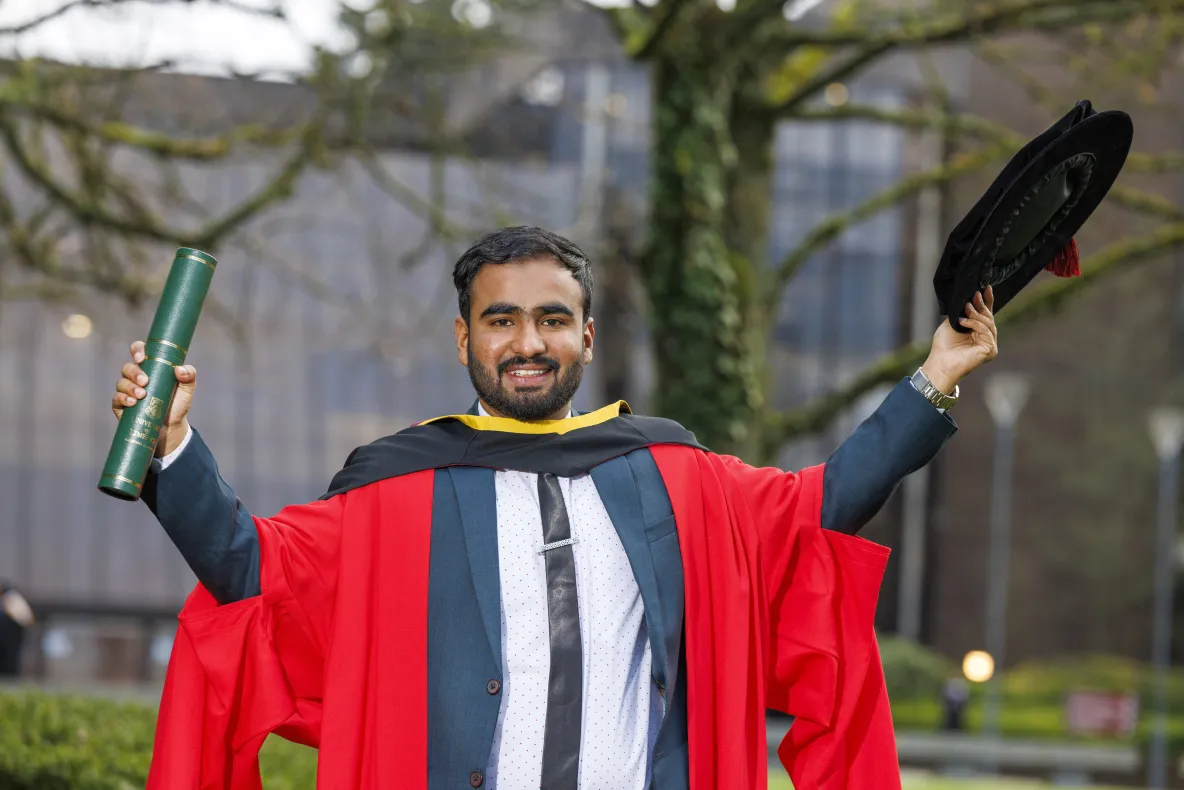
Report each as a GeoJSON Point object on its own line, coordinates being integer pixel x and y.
{"type": "Point", "coordinates": [749, 216]}
{"type": "Point", "coordinates": [617, 306]}
{"type": "Point", "coordinates": [708, 357]}
{"type": "Point", "coordinates": [750, 186]}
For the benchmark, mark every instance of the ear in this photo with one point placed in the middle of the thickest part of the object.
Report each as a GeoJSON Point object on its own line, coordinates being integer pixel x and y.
{"type": "Point", "coordinates": [589, 337]}
{"type": "Point", "coordinates": [461, 330]}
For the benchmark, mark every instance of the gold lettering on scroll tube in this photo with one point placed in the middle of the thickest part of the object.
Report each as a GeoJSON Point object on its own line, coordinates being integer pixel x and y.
{"type": "Point", "coordinates": [145, 434]}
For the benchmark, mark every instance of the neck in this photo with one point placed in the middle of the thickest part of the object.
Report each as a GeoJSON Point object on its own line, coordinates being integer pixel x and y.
{"type": "Point", "coordinates": [484, 411]}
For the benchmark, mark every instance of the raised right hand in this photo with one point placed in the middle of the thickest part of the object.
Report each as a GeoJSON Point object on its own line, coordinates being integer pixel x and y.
{"type": "Point", "coordinates": [130, 389]}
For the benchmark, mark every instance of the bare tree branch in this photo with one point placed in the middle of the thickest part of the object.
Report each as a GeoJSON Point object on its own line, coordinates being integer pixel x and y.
{"type": "Point", "coordinates": [90, 143]}
{"type": "Point", "coordinates": [255, 244]}
{"type": "Point", "coordinates": [981, 128]}
{"type": "Point", "coordinates": [917, 120]}
{"type": "Point", "coordinates": [837, 72]}
{"type": "Point", "coordinates": [434, 213]}
{"type": "Point", "coordinates": [1147, 203]}
{"type": "Point", "coordinates": [1137, 162]}
{"type": "Point", "coordinates": [39, 254]}
{"type": "Point", "coordinates": [1166, 162]}
{"type": "Point", "coordinates": [1041, 94]}
{"type": "Point", "coordinates": [120, 133]}
{"type": "Point", "coordinates": [668, 13]}
{"type": "Point", "coordinates": [995, 18]}
{"type": "Point", "coordinates": [831, 228]}
{"type": "Point", "coordinates": [1037, 301]}
{"type": "Point", "coordinates": [275, 12]}
{"type": "Point", "coordinates": [1030, 15]}
{"type": "Point", "coordinates": [144, 225]}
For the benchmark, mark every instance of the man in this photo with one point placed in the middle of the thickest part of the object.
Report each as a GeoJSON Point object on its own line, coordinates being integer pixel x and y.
{"type": "Point", "coordinates": [16, 617]}
{"type": "Point", "coordinates": [524, 597]}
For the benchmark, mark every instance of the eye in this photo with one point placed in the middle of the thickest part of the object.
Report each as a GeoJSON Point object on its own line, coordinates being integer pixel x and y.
{"type": "Point", "coordinates": [502, 322]}
{"type": "Point", "coordinates": [553, 322]}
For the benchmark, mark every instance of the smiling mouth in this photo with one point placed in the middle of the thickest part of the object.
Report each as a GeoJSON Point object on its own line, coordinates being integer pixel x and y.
{"type": "Point", "coordinates": [527, 375]}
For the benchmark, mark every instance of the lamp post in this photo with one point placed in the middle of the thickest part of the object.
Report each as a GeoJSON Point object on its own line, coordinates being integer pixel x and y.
{"type": "Point", "coordinates": [1167, 434]}
{"type": "Point", "coordinates": [1006, 395]}
{"type": "Point", "coordinates": [914, 513]}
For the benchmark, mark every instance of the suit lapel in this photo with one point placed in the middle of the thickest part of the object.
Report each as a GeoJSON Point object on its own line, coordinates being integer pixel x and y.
{"type": "Point", "coordinates": [618, 490]}
{"type": "Point", "coordinates": [477, 499]}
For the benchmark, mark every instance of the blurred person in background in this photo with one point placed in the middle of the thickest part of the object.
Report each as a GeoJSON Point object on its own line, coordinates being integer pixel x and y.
{"type": "Point", "coordinates": [954, 698]}
{"type": "Point", "coordinates": [526, 596]}
{"type": "Point", "coordinates": [16, 617]}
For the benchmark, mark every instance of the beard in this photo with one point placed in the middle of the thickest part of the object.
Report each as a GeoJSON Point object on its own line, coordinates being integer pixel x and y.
{"type": "Point", "coordinates": [535, 404]}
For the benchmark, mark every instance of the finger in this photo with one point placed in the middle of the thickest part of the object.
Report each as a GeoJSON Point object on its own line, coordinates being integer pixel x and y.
{"type": "Point", "coordinates": [128, 387]}
{"type": "Point", "coordinates": [978, 327]}
{"type": "Point", "coordinates": [979, 311]}
{"type": "Point", "coordinates": [137, 349]}
{"type": "Point", "coordinates": [186, 374]}
{"type": "Point", "coordinates": [979, 305]}
{"type": "Point", "coordinates": [982, 316]}
{"type": "Point", "coordinates": [990, 298]}
{"type": "Point", "coordinates": [132, 372]}
{"type": "Point", "coordinates": [123, 399]}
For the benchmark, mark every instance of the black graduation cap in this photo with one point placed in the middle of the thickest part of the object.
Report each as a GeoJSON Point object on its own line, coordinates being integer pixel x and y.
{"type": "Point", "coordinates": [1026, 221]}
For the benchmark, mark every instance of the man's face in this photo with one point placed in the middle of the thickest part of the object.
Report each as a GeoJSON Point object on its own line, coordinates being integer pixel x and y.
{"type": "Point", "coordinates": [526, 342]}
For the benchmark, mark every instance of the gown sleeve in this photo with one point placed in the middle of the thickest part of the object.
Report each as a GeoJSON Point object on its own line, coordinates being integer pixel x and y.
{"type": "Point", "coordinates": [823, 664]}
{"type": "Point", "coordinates": [243, 670]}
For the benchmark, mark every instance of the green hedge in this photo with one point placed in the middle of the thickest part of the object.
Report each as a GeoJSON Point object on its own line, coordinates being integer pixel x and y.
{"type": "Point", "coordinates": [65, 742]}
{"type": "Point", "coordinates": [912, 671]}
{"type": "Point", "coordinates": [1033, 693]}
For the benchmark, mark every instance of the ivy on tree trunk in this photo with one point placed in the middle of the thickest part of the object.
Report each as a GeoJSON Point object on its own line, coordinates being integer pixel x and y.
{"type": "Point", "coordinates": [721, 80]}
{"type": "Point", "coordinates": [708, 356]}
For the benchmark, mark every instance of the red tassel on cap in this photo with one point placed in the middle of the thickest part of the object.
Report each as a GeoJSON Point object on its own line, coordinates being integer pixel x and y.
{"type": "Point", "coordinates": [1067, 263]}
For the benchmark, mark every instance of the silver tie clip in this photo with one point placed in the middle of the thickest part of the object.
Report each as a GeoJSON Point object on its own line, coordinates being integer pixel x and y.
{"type": "Point", "coordinates": [557, 545]}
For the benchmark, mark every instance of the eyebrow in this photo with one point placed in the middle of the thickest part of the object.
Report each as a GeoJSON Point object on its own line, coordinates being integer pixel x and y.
{"type": "Point", "coordinates": [505, 308]}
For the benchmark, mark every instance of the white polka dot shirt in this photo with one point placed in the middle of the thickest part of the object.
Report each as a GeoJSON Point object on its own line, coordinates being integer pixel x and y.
{"type": "Point", "coordinates": [622, 710]}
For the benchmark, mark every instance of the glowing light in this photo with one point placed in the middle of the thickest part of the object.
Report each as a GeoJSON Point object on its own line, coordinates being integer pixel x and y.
{"type": "Point", "coordinates": [475, 13]}
{"type": "Point", "coordinates": [616, 105]}
{"type": "Point", "coordinates": [837, 94]}
{"type": "Point", "coordinates": [544, 89]}
{"type": "Point", "coordinates": [77, 327]}
{"type": "Point", "coordinates": [978, 666]}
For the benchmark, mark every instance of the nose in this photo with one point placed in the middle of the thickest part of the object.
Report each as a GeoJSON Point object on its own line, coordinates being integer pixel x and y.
{"type": "Point", "coordinates": [528, 342]}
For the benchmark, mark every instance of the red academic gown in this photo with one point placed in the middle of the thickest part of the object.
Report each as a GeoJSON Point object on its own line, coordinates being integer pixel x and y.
{"type": "Point", "coordinates": [333, 653]}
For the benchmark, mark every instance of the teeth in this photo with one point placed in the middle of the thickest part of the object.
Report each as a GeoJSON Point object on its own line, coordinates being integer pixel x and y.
{"type": "Point", "coordinates": [528, 372]}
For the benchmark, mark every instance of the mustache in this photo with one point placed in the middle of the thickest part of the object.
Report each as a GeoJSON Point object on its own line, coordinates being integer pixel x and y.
{"type": "Point", "coordinates": [509, 363]}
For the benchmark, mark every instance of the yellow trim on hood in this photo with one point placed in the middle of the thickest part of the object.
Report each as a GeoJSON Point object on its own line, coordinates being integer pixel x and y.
{"type": "Point", "coordinates": [566, 425]}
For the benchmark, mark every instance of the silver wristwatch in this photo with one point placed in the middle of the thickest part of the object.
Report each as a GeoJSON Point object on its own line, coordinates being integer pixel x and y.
{"type": "Point", "coordinates": [932, 393]}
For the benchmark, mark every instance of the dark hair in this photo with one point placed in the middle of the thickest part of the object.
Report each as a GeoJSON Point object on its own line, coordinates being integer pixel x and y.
{"type": "Point", "coordinates": [514, 245]}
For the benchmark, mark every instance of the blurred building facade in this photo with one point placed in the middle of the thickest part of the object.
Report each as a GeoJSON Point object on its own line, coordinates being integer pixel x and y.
{"type": "Point", "coordinates": [1085, 470]}
{"type": "Point", "coordinates": [329, 324]}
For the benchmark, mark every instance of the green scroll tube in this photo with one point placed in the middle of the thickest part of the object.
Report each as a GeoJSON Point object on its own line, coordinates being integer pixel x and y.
{"type": "Point", "coordinates": [167, 344]}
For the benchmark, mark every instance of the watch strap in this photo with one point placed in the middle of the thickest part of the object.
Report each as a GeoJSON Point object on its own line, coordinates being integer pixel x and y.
{"type": "Point", "coordinates": [931, 393]}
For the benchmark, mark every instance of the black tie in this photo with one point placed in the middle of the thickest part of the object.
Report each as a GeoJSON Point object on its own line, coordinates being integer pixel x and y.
{"type": "Point", "coordinates": [565, 691]}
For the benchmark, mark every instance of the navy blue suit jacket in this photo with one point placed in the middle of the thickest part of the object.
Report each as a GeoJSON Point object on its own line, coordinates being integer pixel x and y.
{"type": "Point", "coordinates": [215, 533]}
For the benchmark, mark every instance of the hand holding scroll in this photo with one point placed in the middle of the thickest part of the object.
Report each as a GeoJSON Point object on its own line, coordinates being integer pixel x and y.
{"type": "Point", "coordinates": [130, 389]}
